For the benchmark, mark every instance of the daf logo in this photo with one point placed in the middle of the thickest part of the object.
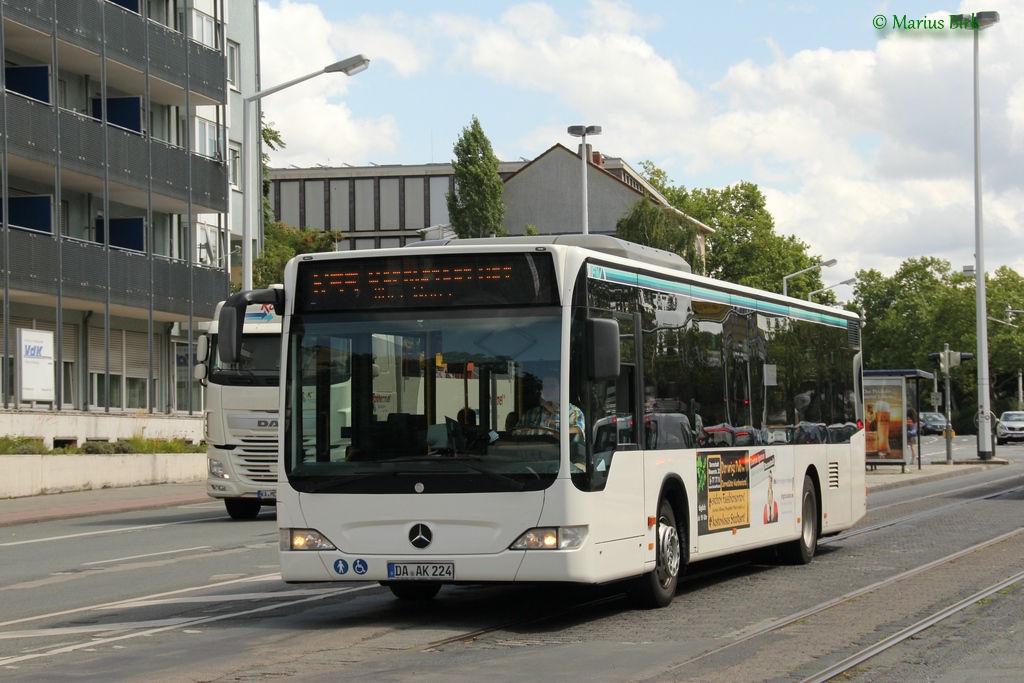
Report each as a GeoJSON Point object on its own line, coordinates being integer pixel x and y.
{"type": "Point", "coordinates": [266, 423]}
{"type": "Point", "coordinates": [420, 536]}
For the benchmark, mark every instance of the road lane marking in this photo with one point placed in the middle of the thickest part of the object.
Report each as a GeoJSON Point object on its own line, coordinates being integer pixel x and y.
{"type": "Point", "coordinates": [119, 530]}
{"type": "Point", "coordinates": [92, 644]}
{"type": "Point", "coordinates": [264, 577]}
{"type": "Point", "coordinates": [138, 557]}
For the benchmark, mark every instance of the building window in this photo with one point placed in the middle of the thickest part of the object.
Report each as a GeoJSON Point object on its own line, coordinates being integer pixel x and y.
{"type": "Point", "coordinates": [204, 29]}
{"type": "Point", "coordinates": [135, 392]}
{"type": "Point", "coordinates": [68, 385]}
{"type": "Point", "coordinates": [184, 362]}
{"type": "Point", "coordinates": [207, 136]}
{"type": "Point", "coordinates": [234, 164]}
{"type": "Point", "coordinates": [100, 393]}
{"type": "Point", "coordinates": [232, 65]}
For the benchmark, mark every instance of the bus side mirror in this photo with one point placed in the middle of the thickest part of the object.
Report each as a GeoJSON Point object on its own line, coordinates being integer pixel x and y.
{"type": "Point", "coordinates": [603, 338]}
{"type": "Point", "coordinates": [199, 371]}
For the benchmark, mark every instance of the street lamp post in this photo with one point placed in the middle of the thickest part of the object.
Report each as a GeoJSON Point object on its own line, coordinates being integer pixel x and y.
{"type": "Point", "coordinates": [349, 67]}
{"type": "Point", "coordinates": [981, 21]}
{"type": "Point", "coordinates": [838, 284]}
{"type": "Point", "coordinates": [824, 264]}
{"type": "Point", "coordinates": [582, 132]}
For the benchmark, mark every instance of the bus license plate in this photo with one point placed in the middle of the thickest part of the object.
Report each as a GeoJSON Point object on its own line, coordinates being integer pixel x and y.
{"type": "Point", "coordinates": [422, 570]}
{"type": "Point", "coordinates": [270, 494]}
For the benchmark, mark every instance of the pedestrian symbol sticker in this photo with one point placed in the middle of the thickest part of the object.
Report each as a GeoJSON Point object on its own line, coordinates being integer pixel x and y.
{"type": "Point", "coordinates": [341, 566]}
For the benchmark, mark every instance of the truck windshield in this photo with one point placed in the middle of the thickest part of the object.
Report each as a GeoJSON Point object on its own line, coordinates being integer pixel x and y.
{"type": "Point", "coordinates": [427, 401]}
{"type": "Point", "coordinates": [259, 363]}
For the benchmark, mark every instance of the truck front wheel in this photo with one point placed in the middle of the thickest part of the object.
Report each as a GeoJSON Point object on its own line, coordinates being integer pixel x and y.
{"type": "Point", "coordinates": [242, 508]}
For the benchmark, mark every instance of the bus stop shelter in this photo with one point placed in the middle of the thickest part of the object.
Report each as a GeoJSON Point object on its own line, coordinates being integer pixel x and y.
{"type": "Point", "coordinates": [885, 415]}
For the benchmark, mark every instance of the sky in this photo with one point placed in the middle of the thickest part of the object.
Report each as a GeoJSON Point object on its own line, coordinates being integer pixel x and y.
{"type": "Point", "coordinates": [861, 138]}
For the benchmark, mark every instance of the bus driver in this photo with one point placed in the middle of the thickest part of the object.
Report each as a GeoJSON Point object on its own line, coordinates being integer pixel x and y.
{"type": "Point", "coordinates": [544, 418]}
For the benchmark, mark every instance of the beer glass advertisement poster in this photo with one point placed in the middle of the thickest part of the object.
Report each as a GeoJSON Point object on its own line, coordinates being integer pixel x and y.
{"type": "Point", "coordinates": [884, 418]}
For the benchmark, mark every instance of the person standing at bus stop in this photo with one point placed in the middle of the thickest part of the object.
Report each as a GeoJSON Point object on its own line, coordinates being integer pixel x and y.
{"type": "Point", "coordinates": [912, 432]}
{"type": "Point", "coordinates": [544, 417]}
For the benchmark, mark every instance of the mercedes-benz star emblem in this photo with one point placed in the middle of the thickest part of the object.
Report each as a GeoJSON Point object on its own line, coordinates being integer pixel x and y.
{"type": "Point", "coordinates": [420, 536]}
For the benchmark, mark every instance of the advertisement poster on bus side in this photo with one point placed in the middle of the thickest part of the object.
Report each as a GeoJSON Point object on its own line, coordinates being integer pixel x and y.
{"type": "Point", "coordinates": [723, 491]}
{"type": "Point", "coordinates": [741, 489]}
{"type": "Point", "coordinates": [884, 418]}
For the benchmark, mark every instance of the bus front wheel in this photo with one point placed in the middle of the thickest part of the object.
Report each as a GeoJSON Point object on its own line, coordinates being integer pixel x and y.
{"type": "Point", "coordinates": [801, 551]}
{"type": "Point", "coordinates": [414, 590]}
{"type": "Point", "coordinates": [657, 588]}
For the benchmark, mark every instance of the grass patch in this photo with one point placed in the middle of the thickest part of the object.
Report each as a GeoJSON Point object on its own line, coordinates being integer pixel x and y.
{"type": "Point", "coordinates": [22, 446]}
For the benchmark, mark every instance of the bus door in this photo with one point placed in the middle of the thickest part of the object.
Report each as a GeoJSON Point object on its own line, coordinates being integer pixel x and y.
{"type": "Point", "coordinates": [615, 458]}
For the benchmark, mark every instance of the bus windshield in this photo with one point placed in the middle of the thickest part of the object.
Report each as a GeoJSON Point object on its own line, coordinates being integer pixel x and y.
{"type": "Point", "coordinates": [424, 400]}
{"type": "Point", "coordinates": [259, 363]}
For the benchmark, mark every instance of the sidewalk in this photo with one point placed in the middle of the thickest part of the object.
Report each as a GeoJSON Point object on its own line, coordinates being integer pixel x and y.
{"type": "Point", "coordinates": [104, 501]}
{"type": "Point", "coordinates": [100, 501]}
{"type": "Point", "coordinates": [886, 477]}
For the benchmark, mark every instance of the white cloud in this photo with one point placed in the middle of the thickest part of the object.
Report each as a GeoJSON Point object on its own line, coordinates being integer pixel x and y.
{"type": "Point", "coordinates": [866, 155]}
{"type": "Point", "coordinates": [316, 125]}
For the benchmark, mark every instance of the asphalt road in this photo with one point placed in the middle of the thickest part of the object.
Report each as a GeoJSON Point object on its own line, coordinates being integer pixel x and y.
{"type": "Point", "coordinates": [180, 592]}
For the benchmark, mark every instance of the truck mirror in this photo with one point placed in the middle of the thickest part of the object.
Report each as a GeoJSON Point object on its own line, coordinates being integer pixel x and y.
{"type": "Point", "coordinates": [603, 343]}
{"type": "Point", "coordinates": [202, 348]}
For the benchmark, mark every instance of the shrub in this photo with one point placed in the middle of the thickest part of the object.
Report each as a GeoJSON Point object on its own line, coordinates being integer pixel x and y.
{"type": "Point", "coordinates": [97, 447]}
{"type": "Point", "coordinates": [122, 446]}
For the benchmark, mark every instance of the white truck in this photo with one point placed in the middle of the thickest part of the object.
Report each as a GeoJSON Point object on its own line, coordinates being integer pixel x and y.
{"type": "Point", "coordinates": [241, 413]}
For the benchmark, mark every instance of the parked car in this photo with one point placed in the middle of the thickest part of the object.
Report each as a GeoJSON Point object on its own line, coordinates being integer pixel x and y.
{"type": "Point", "coordinates": [1010, 427]}
{"type": "Point", "coordinates": [933, 423]}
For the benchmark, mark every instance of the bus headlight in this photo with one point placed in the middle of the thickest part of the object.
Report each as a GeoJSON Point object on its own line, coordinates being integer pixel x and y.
{"type": "Point", "coordinates": [304, 539]}
{"type": "Point", "coordinates": [551, 538]}
{"type": "Point", "coordinates": [216, 468]}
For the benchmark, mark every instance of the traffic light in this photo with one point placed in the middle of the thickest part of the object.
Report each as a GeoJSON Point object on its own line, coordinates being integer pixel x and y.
{"type": "Point", "coordinates": [934, 358]}
{"type": "Point", "coordinates": [944, 362]}
{"type": "Point", "coordinates": [957, 357]}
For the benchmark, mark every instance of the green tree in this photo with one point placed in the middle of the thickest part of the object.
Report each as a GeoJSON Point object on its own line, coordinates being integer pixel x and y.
{"type": "Point", "coordinates": [281, 243]}
{"type": "Point", "coordinates": [271, 141]}
{"type": "Point", "coordinates": [476, 208]}
{"type": "Point", "coordinates": [744, 248]}
{"type": "Point", "coordinates": [661, 228]}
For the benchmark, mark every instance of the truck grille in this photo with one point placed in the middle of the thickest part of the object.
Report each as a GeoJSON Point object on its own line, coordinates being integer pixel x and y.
{"type": "Point", "coordinates": [256, 460]}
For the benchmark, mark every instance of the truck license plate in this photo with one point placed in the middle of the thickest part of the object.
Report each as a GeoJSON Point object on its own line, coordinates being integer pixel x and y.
{"type": "Point", "coordinates": [270, 494]}
{"type": "Point", "coordinates": [444, 571]}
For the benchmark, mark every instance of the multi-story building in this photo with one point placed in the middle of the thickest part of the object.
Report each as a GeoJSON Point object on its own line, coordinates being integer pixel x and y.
{"type": "Point", "coordinates": [121, 206]}
{"type": "Point", "coordinates": [389, 206]}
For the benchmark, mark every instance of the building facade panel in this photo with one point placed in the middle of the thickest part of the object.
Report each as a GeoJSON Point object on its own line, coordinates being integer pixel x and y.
{"type": "Point", "coordinates": [314, 205]}
{"type": "Point", "coordinates": [364, 203]}
{"type": "Point", "coordinates": [77, 183]}
{"type": "Point", "coordinates": [414, 204]}
{"type": "Point", "coordinates": [339, 205]}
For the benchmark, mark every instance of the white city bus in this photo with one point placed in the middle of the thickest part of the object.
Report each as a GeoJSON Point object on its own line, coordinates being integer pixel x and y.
{"type": "Point", "coordinates": [675, 385]}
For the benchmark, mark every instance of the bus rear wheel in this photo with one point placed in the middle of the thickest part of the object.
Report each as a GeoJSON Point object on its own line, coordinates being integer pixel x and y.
{"type": "Point", "coordinates": [242, 508]}
{"type": "Point", "coordinates": [414, 590]}
{"type": "Point", "coordinates": [658, 588]}
{"type": "Point", "coordinates": [801, 551]}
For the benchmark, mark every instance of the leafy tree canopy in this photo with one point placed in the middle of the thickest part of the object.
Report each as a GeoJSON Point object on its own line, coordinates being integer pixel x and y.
{"type": "Point", "coordinates": [476, 208]}
{"type": "Point", "coordinates": [281, 244]}
{"type": "Point", "coordinates": [653, 226]}
{"type": "Point", "coordinates": [744, 248]}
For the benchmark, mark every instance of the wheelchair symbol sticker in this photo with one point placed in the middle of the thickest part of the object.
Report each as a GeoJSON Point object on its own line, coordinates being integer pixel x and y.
{"type": "Point", "coordinates": [359, 567]}
{"type": "Point", "coordinates": [341, 566]}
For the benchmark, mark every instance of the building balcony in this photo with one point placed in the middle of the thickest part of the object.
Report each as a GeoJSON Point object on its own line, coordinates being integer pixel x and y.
{"type": "Point", "coordinates": [132, 160]}
{"type": "Point", "coordinates": [175, 62]}
{"type": "Point", "coordinates": [133, 276]}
